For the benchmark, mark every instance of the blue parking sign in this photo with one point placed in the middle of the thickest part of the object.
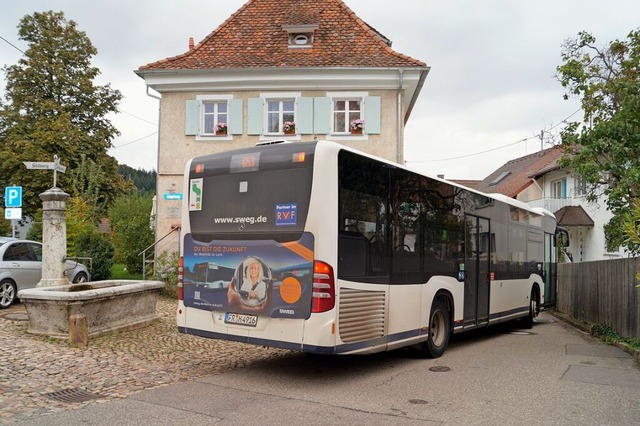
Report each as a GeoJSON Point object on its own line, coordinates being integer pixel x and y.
{"type": "Point", "coordinates": [13, 196]}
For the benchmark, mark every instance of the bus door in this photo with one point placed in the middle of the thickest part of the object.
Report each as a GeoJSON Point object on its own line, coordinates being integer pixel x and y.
{"type": "Point", "coordinates": [550, 272]}
{"type": "Point", "coordinates": [477, 270]}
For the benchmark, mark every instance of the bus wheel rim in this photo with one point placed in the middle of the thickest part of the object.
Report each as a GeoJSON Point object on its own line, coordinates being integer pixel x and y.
{"type": "Point", "coordinates": [437, 329]}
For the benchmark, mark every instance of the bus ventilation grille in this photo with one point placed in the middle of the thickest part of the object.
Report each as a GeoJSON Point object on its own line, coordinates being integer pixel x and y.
{"type": "Point", "coordinates": [361, 315]}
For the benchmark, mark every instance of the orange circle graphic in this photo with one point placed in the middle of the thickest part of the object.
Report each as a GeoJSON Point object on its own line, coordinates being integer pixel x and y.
{"type": "Point", "coordinates": [290, 290]}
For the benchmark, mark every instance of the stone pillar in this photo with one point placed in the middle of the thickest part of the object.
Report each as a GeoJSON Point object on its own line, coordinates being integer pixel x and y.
{"type": "Point", "coordinates": [54, 237]}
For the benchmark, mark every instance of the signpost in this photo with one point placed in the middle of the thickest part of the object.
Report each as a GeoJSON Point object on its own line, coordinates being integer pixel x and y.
{"type": "Point", "coordinates": [55, 166]}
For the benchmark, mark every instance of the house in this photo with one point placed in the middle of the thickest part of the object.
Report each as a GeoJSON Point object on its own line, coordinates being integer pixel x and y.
{"type": "Point", "coordinates": [538, 180]}
{"type": "Point", "coordinates": [300, 70]}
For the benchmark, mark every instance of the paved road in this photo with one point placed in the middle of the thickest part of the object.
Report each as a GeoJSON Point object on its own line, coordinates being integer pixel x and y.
{"type": "Point", "coordinates": [553, 375]}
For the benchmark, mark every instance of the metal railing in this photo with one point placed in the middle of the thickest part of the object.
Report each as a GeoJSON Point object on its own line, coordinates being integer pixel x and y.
{"type": "Point", "coordinates": [552, 204]}
{"type": "Point", "coordinates": [146, 259]}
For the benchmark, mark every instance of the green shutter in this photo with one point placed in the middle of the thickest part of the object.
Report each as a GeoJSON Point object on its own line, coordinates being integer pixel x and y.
{"type": "Point", "coordinates": [304, 116]}
{"type": "Point", "coordinates": [255, 116]}
{"type": "Point", "coordinates": [372, 114]}
{"type": "Point", "coordinates": [192, 118]}
{"type": "Point", "coordinates": [321, 116]}
{"type": "Point", "coordinates": [235, 117]}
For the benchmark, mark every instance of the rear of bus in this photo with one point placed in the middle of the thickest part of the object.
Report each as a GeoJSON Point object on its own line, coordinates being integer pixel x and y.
{"type": "Point", "coordinates": [248, 267]}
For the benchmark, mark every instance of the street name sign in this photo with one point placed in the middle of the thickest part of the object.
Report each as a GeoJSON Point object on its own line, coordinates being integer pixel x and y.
{"type": "Point", "coordinates": [35, 165]}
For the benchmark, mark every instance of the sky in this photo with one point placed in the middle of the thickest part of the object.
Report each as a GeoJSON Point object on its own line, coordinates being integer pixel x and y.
{"type": "Point", "coordinates": [491, 90]}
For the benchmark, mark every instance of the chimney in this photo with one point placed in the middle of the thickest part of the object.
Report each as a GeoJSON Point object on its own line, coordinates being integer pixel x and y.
{"type": "Point", "coordinates": [191, 43]}
{"type": "Point", "coordinates": [441, 176]}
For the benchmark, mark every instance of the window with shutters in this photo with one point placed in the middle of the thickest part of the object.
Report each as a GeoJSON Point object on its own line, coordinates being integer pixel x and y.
{"type": "Point", "coordinates": [279, 112]}
{"type": "Point", "coordinates": [213, 117]}
{"type": "Point", "coordinates": [346, 111]}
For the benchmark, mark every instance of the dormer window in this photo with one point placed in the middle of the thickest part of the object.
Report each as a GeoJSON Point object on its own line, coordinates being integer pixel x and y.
{"type": "Point", "coordinates": [300, 36]}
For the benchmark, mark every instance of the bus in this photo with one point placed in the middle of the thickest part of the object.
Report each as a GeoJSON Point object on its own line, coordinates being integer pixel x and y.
{"type": "Point", "coordinates": [324, 249]}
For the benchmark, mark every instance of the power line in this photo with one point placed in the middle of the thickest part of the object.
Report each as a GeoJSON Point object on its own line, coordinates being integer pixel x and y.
{"type": "Point", "coordinates": [12, 45]}
{"type": "Point", "coordinates": [133, 141]}
{"type": "Point", "coordinates": [119, 109]}
{"type": "Point", "coordinates": [495, 149]}
{"type": "Point", "coordinates": [135, 116]}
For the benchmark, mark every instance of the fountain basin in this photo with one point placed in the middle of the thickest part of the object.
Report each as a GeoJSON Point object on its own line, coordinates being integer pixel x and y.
{"type": "Point", "coordinates": [108, 306]}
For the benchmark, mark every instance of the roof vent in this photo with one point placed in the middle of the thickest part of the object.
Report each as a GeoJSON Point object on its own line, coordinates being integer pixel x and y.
{"type": "Point", "coordinates": [300, 36]}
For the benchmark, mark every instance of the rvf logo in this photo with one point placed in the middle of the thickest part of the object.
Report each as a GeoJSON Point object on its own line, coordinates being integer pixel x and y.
{"type": "Point", "coordinates": [286, 214]}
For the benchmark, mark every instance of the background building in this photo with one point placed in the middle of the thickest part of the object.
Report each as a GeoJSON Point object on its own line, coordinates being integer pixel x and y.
{"type": "Point", "coordinates": [274, 62]}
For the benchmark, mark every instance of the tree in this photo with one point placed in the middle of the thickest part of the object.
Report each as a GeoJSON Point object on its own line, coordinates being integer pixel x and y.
{"type": "Point", "coordinates": [131, 228]}
{"type": "Point", "coordinates": [605, 147]}
{"type": "Point", "coordinates": [143, 180]}
{"type": "Point", "coordinates": [54, 107]}
{"type": "Point", "coordinates": [5, 225]}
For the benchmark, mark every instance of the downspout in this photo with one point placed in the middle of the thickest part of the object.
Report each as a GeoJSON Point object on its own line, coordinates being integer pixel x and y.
{"type": "Point", "coordinates": [400, 144]}
{"type": "Point", "coordinates": [155, 249]}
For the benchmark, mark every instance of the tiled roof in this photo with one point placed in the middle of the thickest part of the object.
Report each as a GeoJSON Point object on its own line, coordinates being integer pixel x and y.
{"type": "Point", "coordinates": [469, 183]}
{"type": "Point", "coordinates": [573, 216]}
{"type": "Point", "coordinates": [519, 172]}
{"type": "Point", "coordinates": [253, 37]}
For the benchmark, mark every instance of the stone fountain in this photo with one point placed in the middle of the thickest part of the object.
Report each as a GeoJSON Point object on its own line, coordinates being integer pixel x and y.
{"type": "Point", "coordinates": [63, 310]}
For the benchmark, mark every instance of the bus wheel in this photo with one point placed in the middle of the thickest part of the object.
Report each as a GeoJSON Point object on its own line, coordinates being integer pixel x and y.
{"type": "Point", "coordinates": [534, 309]}
{"type": "Point", "coordinates": [439, 330]}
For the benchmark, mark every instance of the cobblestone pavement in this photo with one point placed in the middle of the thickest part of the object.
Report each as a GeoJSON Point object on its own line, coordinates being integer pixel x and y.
{"type": "Point", "coordinates": [36, 373]}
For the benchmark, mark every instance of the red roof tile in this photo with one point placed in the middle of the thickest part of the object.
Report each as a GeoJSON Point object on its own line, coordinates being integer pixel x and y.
{"type": "Point", "coordinates": [253, 37]}
{"type": "Point", "coordinates": [519, 172]}
{"type": "Point", "coordinates": [573, 216]}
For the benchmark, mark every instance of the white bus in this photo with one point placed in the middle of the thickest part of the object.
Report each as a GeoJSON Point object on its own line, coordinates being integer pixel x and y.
{"type": "Point", "coordinates": [316, 247]}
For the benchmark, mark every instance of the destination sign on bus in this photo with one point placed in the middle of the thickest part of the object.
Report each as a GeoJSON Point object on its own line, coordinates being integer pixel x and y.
{"type": "Point", "coordinates": [245, 162]}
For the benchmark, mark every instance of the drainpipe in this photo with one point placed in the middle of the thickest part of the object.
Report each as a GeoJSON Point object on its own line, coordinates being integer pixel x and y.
{"type": "Point", "coordinates": [400, 144]}
{"type": "Point", "coordinates": [155, 251]}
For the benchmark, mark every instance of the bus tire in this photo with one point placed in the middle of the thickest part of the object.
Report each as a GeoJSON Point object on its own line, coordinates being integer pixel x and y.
{"type": "Point", "coordinates": [439, 330]}
{"type": "Point", "coordinates": [534, 309]}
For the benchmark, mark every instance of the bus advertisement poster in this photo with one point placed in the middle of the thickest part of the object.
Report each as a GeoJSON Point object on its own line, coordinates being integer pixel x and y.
{"type": "Point", "coordinates": [260, 277]}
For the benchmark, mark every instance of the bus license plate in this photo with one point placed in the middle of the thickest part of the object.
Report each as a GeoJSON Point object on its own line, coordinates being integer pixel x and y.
{"type": "Point", "coordinates": [241, 319]}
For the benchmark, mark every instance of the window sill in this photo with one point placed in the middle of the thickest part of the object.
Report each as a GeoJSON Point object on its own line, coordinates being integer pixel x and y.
{"type": "Point", "coordinates": [272, 137]}
{"type": "Point", "coordinates": [214, 137]}
{"type": "Point", "coordinates": [348, 137]}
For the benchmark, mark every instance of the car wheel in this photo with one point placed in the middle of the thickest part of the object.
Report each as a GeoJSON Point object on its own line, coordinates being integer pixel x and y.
{"type": "Point", "coordinates": [8, 292]}
{"type": "Point", "coordinates": [80, 277]}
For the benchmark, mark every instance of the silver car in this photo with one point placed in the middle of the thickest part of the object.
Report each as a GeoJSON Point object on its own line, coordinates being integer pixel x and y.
{"type": "Point", "coordinates": [21, 268]}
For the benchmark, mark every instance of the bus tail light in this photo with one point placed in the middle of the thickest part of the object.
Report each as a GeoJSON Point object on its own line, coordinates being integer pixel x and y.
{"type": "Point", "coordinates": [324, 289]}
{"type": "Point", "coordinates": [180, 277]}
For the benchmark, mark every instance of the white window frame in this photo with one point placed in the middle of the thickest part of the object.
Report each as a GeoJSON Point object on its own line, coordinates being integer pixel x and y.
{"type": "Point", "coordinates": [555, 186]}
{"type": "Point", "coordinates": [346, 96]}
{"type": "Point", "coordinates": [203, 99]}
{"type": "Point", "coordinates": [280, 97]}
{"type": "Point", "coordinates": [579, 186]}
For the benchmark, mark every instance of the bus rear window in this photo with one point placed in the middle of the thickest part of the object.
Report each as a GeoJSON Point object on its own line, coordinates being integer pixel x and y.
{"type": "Point", "coordinates": [272, 201]}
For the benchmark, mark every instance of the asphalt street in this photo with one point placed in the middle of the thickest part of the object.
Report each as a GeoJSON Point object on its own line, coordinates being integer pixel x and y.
{"type": "Point", "coordinates": [553, 374]}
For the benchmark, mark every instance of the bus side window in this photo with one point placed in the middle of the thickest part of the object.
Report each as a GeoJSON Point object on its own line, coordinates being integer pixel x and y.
{"type": "Point", "coordinates": [353, 252]}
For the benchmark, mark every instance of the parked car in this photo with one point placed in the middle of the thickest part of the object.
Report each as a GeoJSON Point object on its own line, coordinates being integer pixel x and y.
{"type": "Point", "coordinates": [21, 268]}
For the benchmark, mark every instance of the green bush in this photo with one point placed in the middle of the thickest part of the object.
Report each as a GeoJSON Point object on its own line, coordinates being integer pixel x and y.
{"type": "Point", "coordinates": [167, 271]}
{"type": "Point", "coordinates": [100, 250]}
{"type": "Point", "coordinates": [131, 229]}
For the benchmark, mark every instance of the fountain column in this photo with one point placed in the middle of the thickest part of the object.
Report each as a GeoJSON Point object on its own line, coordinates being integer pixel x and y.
{"type": "Point", "coordinates": [54, 237]}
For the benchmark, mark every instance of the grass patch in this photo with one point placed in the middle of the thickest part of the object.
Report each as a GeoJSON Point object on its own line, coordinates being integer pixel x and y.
{"type": "Point", "coordinates": [610, 336]}
{"type": "Point", "coordinates": [119, 272]}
